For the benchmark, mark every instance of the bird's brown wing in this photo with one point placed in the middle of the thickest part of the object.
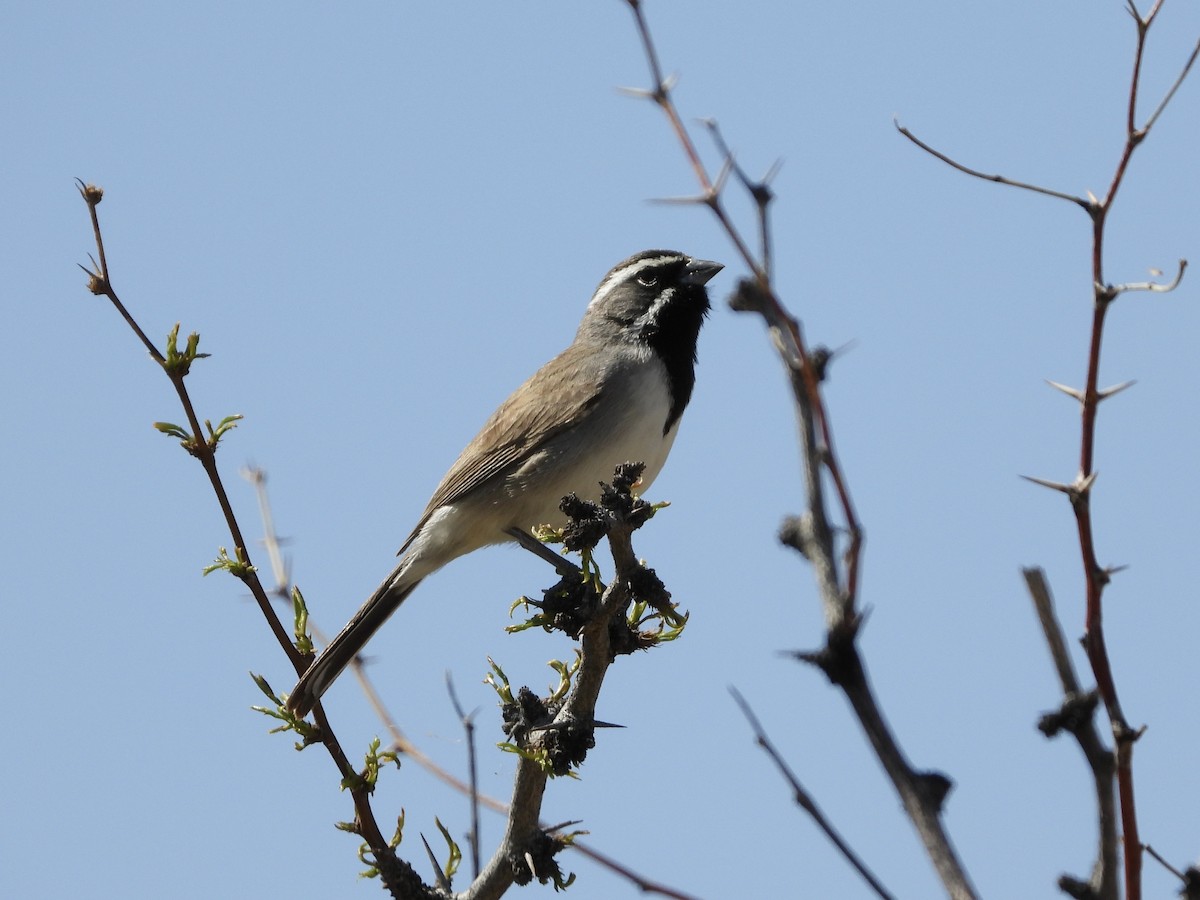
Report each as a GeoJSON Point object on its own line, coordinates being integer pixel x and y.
{"type": "Point", "coordinates": [527, 420]}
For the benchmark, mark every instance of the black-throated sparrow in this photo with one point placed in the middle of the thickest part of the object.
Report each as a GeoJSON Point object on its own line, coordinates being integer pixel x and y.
{"type": "Point", "coordinates": [615, 395]}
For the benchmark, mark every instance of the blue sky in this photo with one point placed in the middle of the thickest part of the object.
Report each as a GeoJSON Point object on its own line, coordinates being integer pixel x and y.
{"type": "Point", "coordinates": [381, 218]}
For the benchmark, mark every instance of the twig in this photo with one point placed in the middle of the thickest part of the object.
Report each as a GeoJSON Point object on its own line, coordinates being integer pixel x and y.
{"type": "Point", "coordinates": [1099, 757]}
{"type": "Point", "coordinates": [643, 884]}
{"type": "Point", "coordinates": [998, 179]}
{"type": "Point", "coordinates": [271, 543]}
{"type": "Point", "coordinates": [1190, 877]}
{"type": "Point", "coordinates": [1183, 73]}
{"type": "Point", "coordinates": [1153, 287]}
{"type": "Point", "coordinates": [398, 877]}
{"type": "Point", "coordinates": [468, 724]}
{"type": "Point", "coordinates": [803, 799]}
{"type": "Point", "coordinates": [760, 192]}
{"type": "Point", "coordinates": [561, 564]}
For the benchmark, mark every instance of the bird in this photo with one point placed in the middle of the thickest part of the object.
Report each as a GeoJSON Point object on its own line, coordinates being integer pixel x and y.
{"type": "Point", "coordinates": [615, 395]}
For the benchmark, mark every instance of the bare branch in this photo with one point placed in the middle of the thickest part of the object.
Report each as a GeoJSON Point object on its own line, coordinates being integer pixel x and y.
{"type": "Point", "coordinates": [468, 723]}
{"type": "Point", "coordinates": [643, 884]}
{"type": "Point", "coordinates": [997, 179]}
{"type": "Point", "coordinates": [759, 191]}
{"type": "Point", "coordinates": [1152, 286]}
{"type": "Point", "coordinates": [1104, 881]}
{"type": "Point", "coordinates": [804, 800]}
{"type": "Point", "coordinates": [1187, 67]}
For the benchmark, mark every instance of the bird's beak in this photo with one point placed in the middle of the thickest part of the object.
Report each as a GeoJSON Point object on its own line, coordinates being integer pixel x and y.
{"type": "Point", "coordinates": [699, 271]}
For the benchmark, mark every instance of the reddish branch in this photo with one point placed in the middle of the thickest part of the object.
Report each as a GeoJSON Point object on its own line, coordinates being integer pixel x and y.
{"type": "Point", "coordinates": [1079, 492]}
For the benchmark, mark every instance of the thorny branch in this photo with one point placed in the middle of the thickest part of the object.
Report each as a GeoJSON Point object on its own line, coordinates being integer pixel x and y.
{"type": "Point", "coordinates": [840, 588]}
{"type": "Point", "coordinates": [1079, 491]}
{"type": "Point", "coordinates": [815, 534]}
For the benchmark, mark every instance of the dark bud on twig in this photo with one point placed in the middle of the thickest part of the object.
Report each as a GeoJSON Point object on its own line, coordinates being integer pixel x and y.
{"type": "Point", "coordinates": [838, 659]}
{"type": "Point", "coordinates": [796, 532]}
{"type": "Point", "coordinates": [623, 639]}
{"type": "Point", "coordinates": [647, 587]}
{"type": "Point", "coordinates": [936, 786]}
{"type": "Point", "coordinates": [623, 635]}
{"type": "Point", "coordinates": [818, 358]}
{"type": "Point", "coordinates": [537, 861]}
{"type": "Point", "coordinates": [529, 721]}
{"type": "Point", "coordinates": [590, 522]}
{"type": "Point", "coordinates": [618, 497]}
{"type": "Point", "coordinates": [567, 745]}
{"type": "Point", "coordinates": [398, 876]}
{"type": "Point", "coordinates": [587, 525]}
{"type": "Point", "coordinates": [1077, 888]}
{"type": "Point", "coordinates": [748, 297]}
{"type": "Point", "coordinates": [1074, 714]}
{"type": "Point", "coordinates": [569, 604]}
{"type": "Point", "coordinates": [522, 715]}
{"type": "Point", "coordinates": [1191, 884]}
{"type": "Point", "coordinates": [625, 476]}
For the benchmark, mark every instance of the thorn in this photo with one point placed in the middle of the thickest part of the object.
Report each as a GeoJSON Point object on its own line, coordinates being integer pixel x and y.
{"type": "Point", "coordinates": [1053, 485]}
{"type": "Point", "coordinates": [529, 862]}
{"type": "Point", "coordinates": [437, 869]}
{"type": "Point", "coordinates": [598, 724]}
{"type": "Point", "coordinates": [573, 723]}
{"type": "Point", "coordinates": [723, 176]}
{"type": "Point", "coordinates": [561, 825]}
{"type": "Point", "coordinates": [698, 200]}
{"type": "Point", "coordinates": [1113, 570]}
{"type": "Point", "coordinates": [1075, 490]}
{"type": "Point", "coordinates": [636, 93]}
{"type": "Point", "coordinates": [1069, 391]}
{"type": "Point", "coordinates": [1115, 389]}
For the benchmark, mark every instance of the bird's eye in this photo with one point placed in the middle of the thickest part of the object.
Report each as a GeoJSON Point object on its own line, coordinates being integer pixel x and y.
{"type": "Point", "coordinates": [647, 280]}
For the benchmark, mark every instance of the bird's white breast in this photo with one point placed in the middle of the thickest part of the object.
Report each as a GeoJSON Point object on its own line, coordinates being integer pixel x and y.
{"type": "Point", "coordinates": [627, 426]}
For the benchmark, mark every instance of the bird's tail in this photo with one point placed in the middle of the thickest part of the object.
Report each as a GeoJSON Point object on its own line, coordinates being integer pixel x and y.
{"type": "Point", "coordinates": [349, 642]}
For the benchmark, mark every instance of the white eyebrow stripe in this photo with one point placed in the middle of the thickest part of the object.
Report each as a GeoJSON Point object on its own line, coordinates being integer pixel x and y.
{"type": "Point", "coordinates": [626, 272]}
